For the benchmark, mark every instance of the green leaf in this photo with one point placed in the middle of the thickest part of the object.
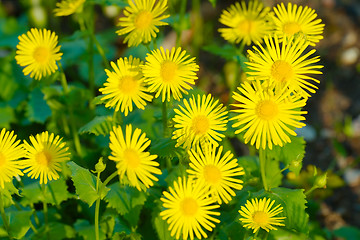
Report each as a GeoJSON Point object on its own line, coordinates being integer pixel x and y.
{"type": "Point", "coordinates": [161, 227]}
{"type": "Point", "coordinates": [227, 51]}
{"type": "Point", "coordinates": [85, 184]}
{"type": "Point", "coordinates": [7, 116]}
{"type": "Point", "coordinates": [118, 3]}
{"type": "Point", "coordinates": [99, 125]}
{"type": "Point", "coordinates": [286, 234]}
{"type": "Point", "coordinates": [294, 203]}
{"type": "Point", "coordinates": [124, 198]}
{"type": "Point", "coordinates": [348, 233]}
{"type": "Point", "coordinates": [291, 154]}
{"type": "Point", "coordinates": [56, 193]}
{"type": "Point", "coordinates": [37, 109]}
{"type": "Point", "coordinates": [19, 222]}
{"type": "Point", "coordinates": [165, 147]}
{"type": "Point", "coordinates": [57, 231]}
{"type": "Point", "coordinates": [87, 231]}
{"type": "Point", "coordinates": [7, 193]}
{"type": "Point", "coordinates": [273, 174]}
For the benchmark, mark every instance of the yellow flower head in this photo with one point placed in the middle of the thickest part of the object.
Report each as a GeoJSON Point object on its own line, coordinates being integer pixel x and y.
{"type": "Point", "coordinates": [128, 151]}
{"type": "Point", "coordinates": [189, 210]}
{"type": "Point", "coordinates": [141, 21]}
{"type": "Point", "coordinates": [38, 52]}
{"type": "Point", "coordinates": [10, 153]}
{"type": "Point", "coordinates": [285, 65]}
{"type": "Point", "coordinates": [200, 121]}
{"type": "Point", "coordinates": [170, 73]}
{"type": "Point", "coordinates": [297, 21]}
{"type": "Point", "coordinates": [44, 156]}
{"type": "Point", "coordinates": [125, 86]}
{"type": "Point", "coordinates": [217, 173]}
{"type": "Point", "coordinates": [245, 23]}
{"type": "Point", "coordinates": [267, 116]}
{"type": "Point", "coordinates": [258, 214]}
{"type": "Point", "coordinates": [68, 7]}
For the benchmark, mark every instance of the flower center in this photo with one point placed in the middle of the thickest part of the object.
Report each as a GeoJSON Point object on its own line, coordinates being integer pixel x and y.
{"type": "Point", "coordinates": [291, 28]}
{"type": "Point", "coordinates": [261, 218]}
{"type": "Point", "coordinates": [132, 158]}
{"type": "Point", "coordinates": [143, 20]}
{"type": "Point", "coordinates": [43, 158]}
{"type": "Point", "coordinates": [168, 71]}
{"type": "Point", "coordinates": [212, 174]}
{"type": "Point", "coordinates": [189, 206]}
{"type": "Point", "coordinates": [281, 71]}
{"type": "Point", "coordinates": [245, 26]}
{"type": "Point", "coordinates": [200, 124]}
{"type": "Point", "coordinates": [267, 110]}
{"type": "Point", "coordinates": [41, 54]}
{"type": "Point", "coordinates": [127, 84]}
{"type": "Point", "coordinates": [2, 159]}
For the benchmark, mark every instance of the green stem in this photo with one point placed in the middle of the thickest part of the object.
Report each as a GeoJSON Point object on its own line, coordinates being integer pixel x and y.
{"type": "Point", "coordinates": [262, 158]}
{"type": "Point", "coordinates": [3, 216]}
{"type": "Point", "coordinates": [33, 227]}
{"type": "Point", "coordinates": [53, 196]}
{"type": "Point", "coordinates": [108, 180]}
{"type": "Point", "coordinates": [309, 191]}
{"type": "Point", "coordinates": [63, 79]}
{"type": "Point", "coordinates": [45, 209]}
{"type": "Point", "coordinates": [97, 207]}
{"type": "Point", "coordinates": [181, 22]}
{"type": "Point", "coordinates": [164, 118]}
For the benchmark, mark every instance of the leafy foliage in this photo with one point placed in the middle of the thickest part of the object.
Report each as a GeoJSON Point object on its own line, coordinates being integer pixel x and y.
{"type": "Point", "coordinates": [99, 125]}
{"type": "Point", "coordinates": [85, 184]}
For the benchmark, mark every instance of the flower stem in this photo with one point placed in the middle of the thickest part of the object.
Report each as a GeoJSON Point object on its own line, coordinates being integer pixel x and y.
{"type": "Point", "coordinates": [97, 207]}
{"type": "Point", "coordinates": [262, 158]}
{"type": "Point", "coordinates": [45, 209]}
{"type": "Point", "coordinates": [181, 22]}
{"type": "Point", "coordinates": [3, 216]}
{"type": "Point", "coordinates": [164, 118]}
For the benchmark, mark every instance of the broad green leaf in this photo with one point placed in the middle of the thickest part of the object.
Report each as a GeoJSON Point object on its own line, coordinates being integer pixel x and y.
{"type": "Point", "coordinates": [348, 233]}
{"type": "Point", "coordinates": [7, 116]}
{"type": "Point", "coordinates": [133, 215]}
{"type": "Point", "coordinates": [7, 193]}
{"type": "Point", "coordinates": [107, 225]}
{"type": "Point", "coordinates": [165, 147]}
{"type": "Point", "coordinates": [85, 184]}
{"type": "Point", "coordinates": [19, 223]}
{"type": "Point", "coordinates": [56, 193]}
{"type": "Point", "coordinates": [272, 173]}
{"type": "Point", "coordinates": [294, 203]}
{"type": "Point", "coordinates": [87, 231]}
{"type": "Point", "coordinates": [227, 52]}
{"type": "Point", "coordinates": [252, 170]}
{"type": "Point", "coordinates": [124, 198]}
{"type": "Point", "coordinates": [57, 231]}
{"type": "Point", "coordinates": [37, 109]}
{"type": "Point", "coordinates": [291, 154]}
{"type": "Point", "coordinates": [7, 83]}
{"type": "Point", "coordinates": [161, 227]}
{"type": "Point", "coordinates": [99, 125]}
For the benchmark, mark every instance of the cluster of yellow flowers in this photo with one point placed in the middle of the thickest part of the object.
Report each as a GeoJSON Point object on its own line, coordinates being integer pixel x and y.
{"type": "Point", "coordinates": [267, 106]}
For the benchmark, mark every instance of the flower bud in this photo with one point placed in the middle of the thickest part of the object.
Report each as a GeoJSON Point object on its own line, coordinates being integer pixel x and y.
{"type": "Point", "coordinates": [320, 181]}
{"type": "Point", "coordinates": [100, 166]}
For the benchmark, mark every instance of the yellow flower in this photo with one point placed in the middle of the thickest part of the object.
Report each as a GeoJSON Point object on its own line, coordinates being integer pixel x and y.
{"type": "Point", "coordinates": [129, 153]}
{"type": "Point", "coordinates": [38, 52]}
{"type": "Point", "coordinates": [246, 23]}
{"type": "Point", "coordinates": [44, 156]}
{"type": "Point", "coordinates": [10, 153]}
{"type": "Point", "coordinates": [216, 172]}
{"type": "Point", "coordinates": [170, 73]}
{"type": "Point", "coordinates": [258, 214]}
{"type": "Point", "coordinates": [188, 210]}
{"type": "Point", "coordinates": [200, 121]}
{"type": "Point", "coordinates": [298, 21]}
{"type": "Point", "coordinates": [267, 116]}
{"type": "Point", "coordinates": [68, 7]}
{"type": "Point", "coordinates": [141, 21]}
{"type": "Point", "coordinates": [125, 86]}
{"type": "Point", "coordinates": [285, 65]}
